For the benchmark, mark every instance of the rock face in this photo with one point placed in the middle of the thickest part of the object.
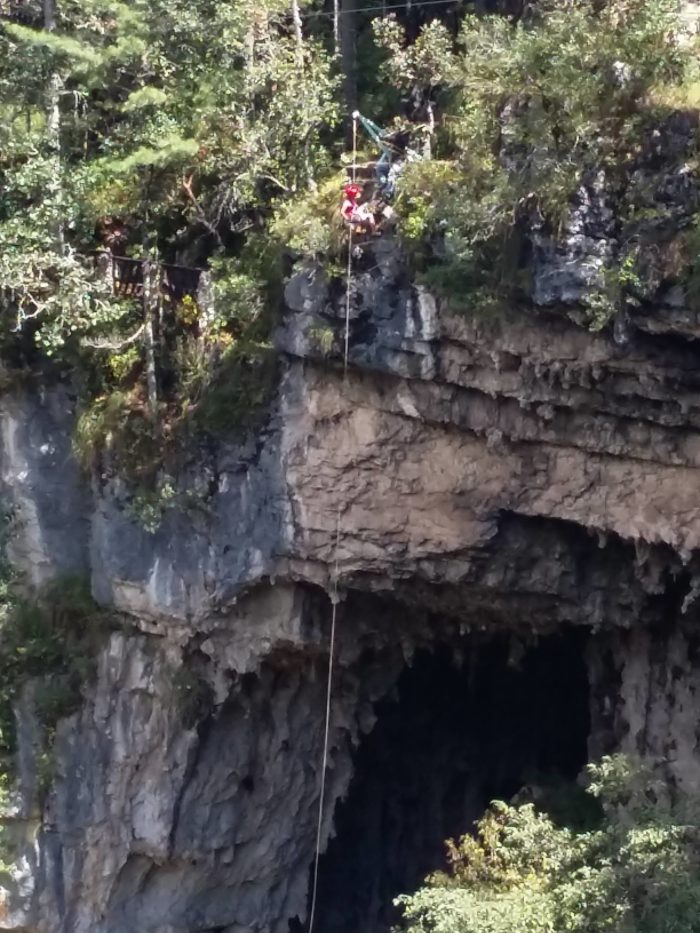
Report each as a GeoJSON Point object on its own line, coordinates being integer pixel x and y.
{"type": "Point", "coordinates": [508, 508]}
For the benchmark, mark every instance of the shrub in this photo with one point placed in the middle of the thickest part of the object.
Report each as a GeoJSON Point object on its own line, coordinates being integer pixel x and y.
{"type": "Point", "coordinates": [52, 639]}
{"type": "Point", "coordinates": [533, 108]}
{"type": "Point", "coordinates": [120, 424]}
{"type": "Point", "coordinates": [523, 874]}
{"type": "Point", "coordinates": [311, 224]}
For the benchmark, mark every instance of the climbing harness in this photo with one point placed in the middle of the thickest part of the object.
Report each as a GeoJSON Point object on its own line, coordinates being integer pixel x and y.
{"type": "Point", "coordinates": [334, 592]}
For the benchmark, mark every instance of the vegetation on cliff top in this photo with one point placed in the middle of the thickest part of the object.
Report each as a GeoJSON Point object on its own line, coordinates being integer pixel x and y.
{"type": "Point", "coordinates": [212, 136]}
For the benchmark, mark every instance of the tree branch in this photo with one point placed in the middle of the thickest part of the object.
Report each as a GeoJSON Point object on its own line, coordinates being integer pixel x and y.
{"type": "Point", "coordinates": [115, 347]}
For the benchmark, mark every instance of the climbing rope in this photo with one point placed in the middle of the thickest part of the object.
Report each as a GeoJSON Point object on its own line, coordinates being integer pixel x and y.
{"type": "Point", "coordinates": [348, 275]}
{"type": "Point", "coordinates": [326, 733]}
{"type": "Point", "coordinates": [347, 306]}
{"type": "Point", "coordinates": [355, 118]}
{"type": "Point", "coordinates": [334, 593]}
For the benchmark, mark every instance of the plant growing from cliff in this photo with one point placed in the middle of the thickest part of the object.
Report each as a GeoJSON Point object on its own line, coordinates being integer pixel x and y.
{"type": "Point", "coordinates": [532, 110]}
{"type": "Point", "coordinates": [323, 339]}
{"type": "Point", "coordinates": [50, 641]}
{"type": "Point", "coordinates": [193, 694]}
{"type": "Point", "coordinates": [149, 507]}
{"type": "Point", "coordinates": [621, 283]}
{"type": "Point", "coordinates": [521, 873]}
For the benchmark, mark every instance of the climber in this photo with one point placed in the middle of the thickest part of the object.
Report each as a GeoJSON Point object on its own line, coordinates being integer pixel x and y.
{"type": "Point", "coordinates": [385, 186]}
{"type": "Point", "coordinates": [394, 154]}
{"type": "Point", "coordinates": [357, 216]}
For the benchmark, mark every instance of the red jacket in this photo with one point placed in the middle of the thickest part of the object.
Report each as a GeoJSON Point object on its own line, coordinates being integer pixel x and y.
{"type": "Point", "coordinates": [348, 209]}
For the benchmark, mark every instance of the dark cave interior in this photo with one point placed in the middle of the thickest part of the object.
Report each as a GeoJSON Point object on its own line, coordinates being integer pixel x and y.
{"type": "Point", "coordinates": [449, 739]}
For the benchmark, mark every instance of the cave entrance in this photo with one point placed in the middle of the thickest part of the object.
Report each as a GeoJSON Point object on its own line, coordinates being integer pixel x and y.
{"type": "Point", "coordinates": [450, 739]}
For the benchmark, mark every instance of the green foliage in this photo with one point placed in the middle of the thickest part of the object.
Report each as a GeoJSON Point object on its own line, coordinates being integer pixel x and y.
{"type": "Point", "coordinates": [239, 297]}
{"type": "Point", "coordinates": [620, 283]}
{"type": "Point", "coordinates": [311, 224]}
{"type": "Point", "coordinates": [119, 425]}
{"type": "Point", "coordinates": [193, 695]}
{"type": "Point", "coordinates": [149, 506]}
{"type": "Point", "coordinates": [532, 108]}
{"type": "Point", "coordinates": [181, 124]}
{"type": "Point", "coordinates": [680, 95]}
{"type": "Point", "coordinates": [51, 640]}
{"type": "Point", "coordinates": [428, 62]}
{"type": "Point", "coordinates": [637, 873]}
{"type": "Point", "coordinates": [323, 338]}
{"type": "Point", "coordinates": [121, 365]}
{"type": "Point", "coordinates": [48, 646]}
{"type": "Point", "coordinates": [238, 391]}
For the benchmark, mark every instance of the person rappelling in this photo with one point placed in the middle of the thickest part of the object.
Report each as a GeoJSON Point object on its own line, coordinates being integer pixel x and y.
{"type": "Point", "coordinates": [395, 153]}
{"type": "Point", "coordinates": [358, 216]}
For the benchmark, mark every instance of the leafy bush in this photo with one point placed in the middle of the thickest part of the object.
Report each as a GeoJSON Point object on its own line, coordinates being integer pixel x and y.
{"type": "Point", "coordinates": [311, 224]}
{"type": "Point", "coordinates": [149, 506]}
{"type": "Point", "coordinates": [239, 296]}
{"type": "Point", "coordinates": [636, 873]}
{"type": "Point", "coordinates": [167, 130]}
{"type": "Point", "coordinates": [239, 390]}
{"type": "Point", "coordinates": [531, 110]}
{"type": "Point", "coordinates": [120, 426]}
{"type": "Point", "coordinates": [53, 640]}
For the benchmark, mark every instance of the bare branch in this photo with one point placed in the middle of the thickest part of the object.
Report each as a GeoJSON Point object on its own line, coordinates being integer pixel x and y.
{"type": "Point", "coordinates": [187, 187]}
{"type": "Point", "coordinates": [115, 347]}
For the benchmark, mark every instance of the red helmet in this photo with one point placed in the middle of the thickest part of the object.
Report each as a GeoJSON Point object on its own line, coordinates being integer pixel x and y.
{"type": "Point", "coordinates": [352, 191]}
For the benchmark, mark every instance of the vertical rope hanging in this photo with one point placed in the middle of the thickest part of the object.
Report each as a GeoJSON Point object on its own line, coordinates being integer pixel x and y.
{"type": "Point", "coordinates": [334, 593]}
{"type": "Point", "coordinates": [326, 731]}
{"type": "Point", "coordinates": [348, 276]}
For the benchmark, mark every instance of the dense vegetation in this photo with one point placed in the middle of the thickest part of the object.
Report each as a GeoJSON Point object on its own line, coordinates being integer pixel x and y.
{"type": "Point", "coordinates": [636, 872]}
{"type": "Point", "coordinates": [168, 132]}
{"type": "Point", "coordinates": [48, 643]}
{"type": "Point", "coordinates": [213, 136]}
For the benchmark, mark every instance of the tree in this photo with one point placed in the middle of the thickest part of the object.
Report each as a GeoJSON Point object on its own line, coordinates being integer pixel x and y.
{"type": "Point", "coordinates": [521, 873]}
{"type": "Point", "coordinates": [162, 115]}
{"type": "Point", "coordinates": [532, 109]}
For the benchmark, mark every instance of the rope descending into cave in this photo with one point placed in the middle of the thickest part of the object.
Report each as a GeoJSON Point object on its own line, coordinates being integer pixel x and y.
{"type": "Point", "coordinates": [334, 593]}
{"type": "Point", "coordinates": [329, 694]}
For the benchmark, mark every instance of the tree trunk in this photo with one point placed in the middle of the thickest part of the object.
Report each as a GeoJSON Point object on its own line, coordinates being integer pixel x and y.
{"type": "Point", "coordinates": [54, 86]}
{"type": "Point", "coordinates": [347, 55]}
{"type": "Point", "coordinates": [428, 144]}
{"type": "Point", "coordinates": [336, 26]}
{"type": "Point", "coordinates": [298, 35]}
{"type": "Point", "coordinates": [150, 312]}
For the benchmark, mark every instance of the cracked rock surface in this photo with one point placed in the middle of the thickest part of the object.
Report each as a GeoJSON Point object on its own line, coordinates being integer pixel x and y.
{"type": "Point", "coordinates": [467, 479]}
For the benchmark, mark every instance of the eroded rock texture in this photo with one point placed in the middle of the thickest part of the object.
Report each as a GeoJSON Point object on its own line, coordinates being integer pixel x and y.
{"type": "Point", "coordinates": [509, 509]}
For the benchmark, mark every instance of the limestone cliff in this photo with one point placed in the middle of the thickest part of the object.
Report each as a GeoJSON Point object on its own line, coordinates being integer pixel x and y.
{"type": "Point", "coordinates": [510, 508]}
